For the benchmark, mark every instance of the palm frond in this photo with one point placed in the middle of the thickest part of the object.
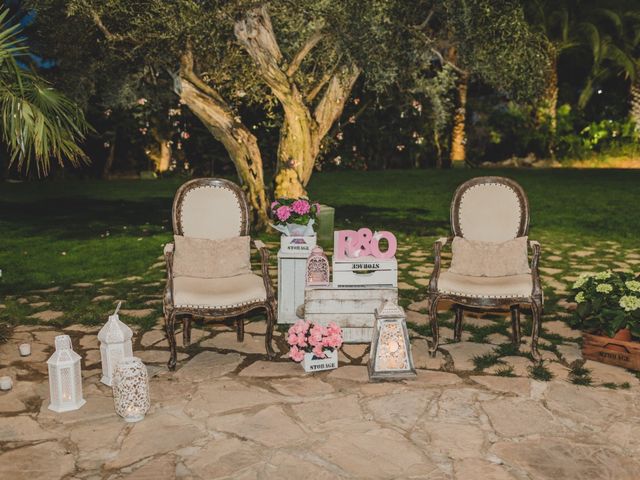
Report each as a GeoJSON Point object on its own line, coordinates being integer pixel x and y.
{"type": "Point", "coordinates": [38, 123]}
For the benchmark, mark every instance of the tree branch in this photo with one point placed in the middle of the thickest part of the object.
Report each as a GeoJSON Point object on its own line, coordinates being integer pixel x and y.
{"type": "Point", "coordinates": [319, 86]}
{"type": "Point", "coordinates": [311, 42]}
{"type": "Point", "coordinates": [255, 34]}
{"type": "Point", "coordinates": [332, 102]}
{"type": "Point", "coordinates": [187, 72]}
{"type": "Point", "coordinates": [112, 37]}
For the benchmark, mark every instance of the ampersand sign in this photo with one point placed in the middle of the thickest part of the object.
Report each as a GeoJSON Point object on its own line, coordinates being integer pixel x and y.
{"type": "Point", "coordinates": [362, 243]}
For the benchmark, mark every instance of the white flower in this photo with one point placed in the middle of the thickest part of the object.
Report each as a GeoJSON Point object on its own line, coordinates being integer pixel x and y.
{"type": "Point", "coordinates": [633, 285]}
{"type": "Point", "coordinates": [604, 288]}
{"type": "Point", "coordinates": [630, 303]}
{"type": "Point", "coordinates": [580, 297]}
{"type": "Point", "coordinates": [603, 275]}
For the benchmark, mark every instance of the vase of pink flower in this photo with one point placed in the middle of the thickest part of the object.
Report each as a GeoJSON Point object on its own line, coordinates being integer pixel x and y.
{"type": "Point", "coordinates": [294, 216]}
{"type": "Point", "coordinates": [316, 346]}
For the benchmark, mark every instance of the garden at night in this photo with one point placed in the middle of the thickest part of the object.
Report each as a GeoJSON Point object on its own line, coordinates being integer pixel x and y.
{"type": "Point", "coordinates": [358, 239]}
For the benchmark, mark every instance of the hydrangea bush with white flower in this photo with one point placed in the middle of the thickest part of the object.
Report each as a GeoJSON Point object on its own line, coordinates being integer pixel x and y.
{"type": "Point", "coordinates": [607, 302]}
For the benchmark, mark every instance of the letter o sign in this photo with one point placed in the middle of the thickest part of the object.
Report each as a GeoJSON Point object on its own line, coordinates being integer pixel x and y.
{"type": "Point", "coordinates": [391, 241]}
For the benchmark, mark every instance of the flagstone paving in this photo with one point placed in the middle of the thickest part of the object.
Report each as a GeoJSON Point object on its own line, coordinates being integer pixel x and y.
{"type": "Point", "coordinates": [479, 409]}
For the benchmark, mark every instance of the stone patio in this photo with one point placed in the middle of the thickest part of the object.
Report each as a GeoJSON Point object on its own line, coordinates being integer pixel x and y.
{"type": "Point", "coordinates": [228, 413]}
{"type": "Point", "coordinates": [478, 410]}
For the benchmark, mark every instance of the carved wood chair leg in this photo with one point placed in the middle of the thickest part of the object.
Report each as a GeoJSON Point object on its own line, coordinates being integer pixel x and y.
{"type": "Point", "coordinates": [186, 330]}
{"type": "Point", "coordinates": [536, 311]}
{"type": "Point", "coordinates": [170, 331]}
{"type": "Point", "coordinates": [271, 320]}
{"type": "Point", "coordinates": [240, 329]}
{"type": "Point", "coordinates": [516, 332]}
{"type": "Point", "coordinates": [433, 319]}
{"type": "Point", "coordinates": [457, 328]}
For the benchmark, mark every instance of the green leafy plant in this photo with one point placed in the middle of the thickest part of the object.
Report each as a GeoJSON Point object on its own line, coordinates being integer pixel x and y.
{"type": "Point", "coordinates": [539, 371]}
{"type": "Point", "coordinates": [607, 302]}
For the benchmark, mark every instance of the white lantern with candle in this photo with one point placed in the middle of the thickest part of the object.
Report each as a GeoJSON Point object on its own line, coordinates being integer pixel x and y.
{"type": "Point", "coordinates": [115, 344]}
{"type": "Point", "coordinates": [65, 377]}
{"type": "Point", "coordinates": [390, 354]}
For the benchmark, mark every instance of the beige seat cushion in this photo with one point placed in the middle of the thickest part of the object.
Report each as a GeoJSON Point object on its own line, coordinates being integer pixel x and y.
{"type": "Point", "coordinates": [489, 259]}
{"type": "Point", "coordinates": [492, 287]}
{"type": "Point", "coordinates": [205, 258]}
{"type": "Point", "coordinates": [218, 292]}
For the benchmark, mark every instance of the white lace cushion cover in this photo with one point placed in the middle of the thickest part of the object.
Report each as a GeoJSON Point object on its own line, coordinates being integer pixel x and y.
{"type": "Point", "coordinates": [204, 258]}
{"type": "Point", "coordinates": [210, 212]}
{"type": "Point", "coordinates": [487, 259]}
{"type": "Point", "coordinates": [490, 212]}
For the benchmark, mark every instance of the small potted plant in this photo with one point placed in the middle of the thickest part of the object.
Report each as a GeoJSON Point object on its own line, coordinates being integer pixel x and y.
{"type": "Point", "coordinates": [316, 346]}
{"type": "Point", "coordinates": [608, 312]}
{"type": "Point", "coordinates": [608, 303]}
{"type": "Point", "coordinates": [294, 216]}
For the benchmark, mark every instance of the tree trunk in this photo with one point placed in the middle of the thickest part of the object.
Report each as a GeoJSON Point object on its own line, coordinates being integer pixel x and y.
{"type": "Point", "coordinates": [242, 146]}
{"type": "Point", "coordinates": [549, 107]}
{"type": "Point", "coordinates": [160, 154]}
{"type": "Point", "coordinates": [458, 136]}
{"type": "Point", "coordinates": [108, 164]}
{"type": "Point", "coordinates": [302, 131]}
{"type": "Point", "coordinates": [635, 103]}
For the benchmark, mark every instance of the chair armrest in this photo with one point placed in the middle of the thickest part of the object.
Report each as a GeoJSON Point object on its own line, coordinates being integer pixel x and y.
{"type": "Point", "coordinates": [535, 273]}
{"type": "Point", "coordinates": [264, 260]}
{"type": "Point", "coordinates": [168, 258]}
{"type": "Point", "coordinates": [437, 261]}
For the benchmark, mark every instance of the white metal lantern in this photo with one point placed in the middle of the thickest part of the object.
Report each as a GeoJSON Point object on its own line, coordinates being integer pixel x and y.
{"type": "Point", "coordinates": [65, 377]}
{"type": "Point", "coordinates": [115, 344]}
{"type": "Point", "coordinates": [390, 356]}
{"type": "Point", "coordinates": [131, 389]}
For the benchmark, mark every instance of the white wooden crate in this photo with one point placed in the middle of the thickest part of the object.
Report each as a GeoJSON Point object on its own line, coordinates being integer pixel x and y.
{"type": "Point", "coordinates": [365, 272]}
{"type": "Point", "coordinates": [351, 308]}
{"type": "Point", "coordinates": [292, 267]}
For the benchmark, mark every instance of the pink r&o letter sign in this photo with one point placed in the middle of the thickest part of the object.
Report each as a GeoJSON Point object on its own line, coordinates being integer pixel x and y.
{"type": "Point", "coordinates": [361, 243]}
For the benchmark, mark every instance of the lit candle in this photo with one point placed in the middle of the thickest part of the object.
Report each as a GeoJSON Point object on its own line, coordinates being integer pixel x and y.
{"type": "Point", "coordinates": [5, 383]}
{"type": "Point", "coordinates": [25, 349]}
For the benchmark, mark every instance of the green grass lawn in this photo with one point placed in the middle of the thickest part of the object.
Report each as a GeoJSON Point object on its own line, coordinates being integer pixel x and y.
{"type": "Point", "coordinates": [57, 233]}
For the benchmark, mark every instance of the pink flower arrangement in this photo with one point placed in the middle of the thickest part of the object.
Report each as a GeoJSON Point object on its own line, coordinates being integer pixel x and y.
{"type": "Point", "coordinates": [283, 213]}
{"type": "Point", "coordinates": [304, 336]}
{"type": "Point", "coordinates": [294, 210]}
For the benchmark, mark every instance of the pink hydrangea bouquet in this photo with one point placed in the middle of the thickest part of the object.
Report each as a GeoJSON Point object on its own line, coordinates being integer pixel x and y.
{"type": "Point", "coordinates": [294, 211]}
{"type": "Point", "coordinates": [307, 337]}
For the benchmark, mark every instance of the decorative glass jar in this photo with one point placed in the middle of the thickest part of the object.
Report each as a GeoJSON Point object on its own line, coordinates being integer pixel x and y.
{"type": "Point", "coordinates": [65, 377]}
{"type": "Point", "coordinates": [131, 389]}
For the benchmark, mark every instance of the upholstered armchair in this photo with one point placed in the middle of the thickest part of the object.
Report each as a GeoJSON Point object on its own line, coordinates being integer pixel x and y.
{"type": "Point", "coordinates": [490, 268]}
{"type": "Point", "coordinates": [209, 266]}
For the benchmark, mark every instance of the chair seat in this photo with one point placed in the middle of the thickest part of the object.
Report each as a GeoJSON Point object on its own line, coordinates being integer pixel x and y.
{"type": "Point", "coordinates": [485, 287]}
{"type": "Point", "coordinates": [228, 292]}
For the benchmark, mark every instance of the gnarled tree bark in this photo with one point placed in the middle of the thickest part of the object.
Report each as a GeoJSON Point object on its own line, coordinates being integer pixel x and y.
{"type": "Point", "coordinates": [209, 106]}
{"type": "Point", "coordinates": [303, 128]}
{"type": "Point", "coordinates": [458, 135]}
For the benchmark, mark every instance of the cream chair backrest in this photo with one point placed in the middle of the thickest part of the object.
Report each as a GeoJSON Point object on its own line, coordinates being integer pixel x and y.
{"type": "Point", "coordinates": [490, 209]}
{"type": "Point", "coordinates": [210, 208]}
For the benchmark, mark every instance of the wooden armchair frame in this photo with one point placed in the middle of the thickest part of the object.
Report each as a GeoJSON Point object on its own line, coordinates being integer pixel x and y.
{"type": "Point", "coordinates": [214, 313]}
{"type": "Point", "coordinates": [514, 304]}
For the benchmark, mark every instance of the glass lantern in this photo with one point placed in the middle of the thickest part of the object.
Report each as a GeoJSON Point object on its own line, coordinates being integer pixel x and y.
{"type": "Point", "coordinates": [317, 268]}
{"type": "Point", "coordinates": [131, 389]}
{"type": "Point", "coordinates": [115, 344]}
{"type": "Point", "coordinates": [65, 377]}
{"type": "Point", "coordinates": [390, 357]}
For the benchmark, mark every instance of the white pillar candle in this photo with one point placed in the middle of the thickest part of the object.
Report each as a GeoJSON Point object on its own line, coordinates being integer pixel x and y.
{"type": "Point", "coordinates": [25, 349]}
{"type": "Point", "coordinates": [5, 383]}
